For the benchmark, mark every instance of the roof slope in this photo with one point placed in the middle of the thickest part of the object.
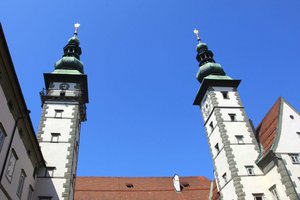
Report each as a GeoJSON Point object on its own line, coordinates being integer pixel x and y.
{"type": "Point", "coordinates": [267, 129]}
{"type": "Point", "coordinates": [150, 188]}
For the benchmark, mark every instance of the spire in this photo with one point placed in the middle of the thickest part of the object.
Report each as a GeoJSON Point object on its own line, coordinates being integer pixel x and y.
{"type": "Point", "coordinates": [207, 64]}
{"type": "Point", "coordinates": [72, 52]}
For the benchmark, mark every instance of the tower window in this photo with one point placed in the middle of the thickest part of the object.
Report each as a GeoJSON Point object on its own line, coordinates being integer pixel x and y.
{"type": "Point", "coordinates": [217, 148]}
{"type": "Point", "coordinates": [21, 183]}
{"type": "Point", "coordinates": [291, 116]}
{"type": "Point", "coordinates": [295, 158]}
{"type": "Point", "coordinates": [225, 95]}
{"type": "Point", "coordinates": [298, 133]}
{"type": "Point", "coordinates": [224, 177]}
{"type": "Point", "coordinates": [232, 117]}
{"type": "Point", "coordinates": [49, 172]}
{"type": "Point", "coordinates": [211, 125]}
{"type": "Point", "coordinates": [62, 93]}
{"type": "Point", "coordinates": [274, 192]}
{"type": "Point", "coordinates": [258, 196]}
{"type": "Point", "coordinates": [58, 113]}
{"type": "Point", "coordinates": [55, 137]}
{"type": "Point", "coordinates": [2, 136]}
{"type": "Point", "coordinates": [250, 170]}
{"type": "Point", "coordinates": [240, 139]}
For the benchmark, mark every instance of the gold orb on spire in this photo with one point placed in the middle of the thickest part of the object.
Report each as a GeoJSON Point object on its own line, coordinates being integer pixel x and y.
{"type": "Point", "coordinates": [76, 26]}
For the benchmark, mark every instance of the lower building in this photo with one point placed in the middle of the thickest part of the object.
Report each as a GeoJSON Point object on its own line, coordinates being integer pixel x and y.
{"type": "Point", "coordinates": [249, 163]}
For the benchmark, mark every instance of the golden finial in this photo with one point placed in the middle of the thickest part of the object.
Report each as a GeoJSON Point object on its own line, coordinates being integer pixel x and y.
{"type": "Point", "coordinates": [76, 26]}
{"type": "Point", "coordinates": [196, 31]}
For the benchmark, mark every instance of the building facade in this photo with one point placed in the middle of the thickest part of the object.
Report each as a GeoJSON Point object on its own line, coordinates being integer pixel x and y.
{"type": "Point", "coordinates": [249, 163]}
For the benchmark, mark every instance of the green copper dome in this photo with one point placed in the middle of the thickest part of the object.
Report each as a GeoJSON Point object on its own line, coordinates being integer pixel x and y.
{"type": "Point", "coordinates": [71, 57]}
{"type": "Point", "coordinates": [207, 65]}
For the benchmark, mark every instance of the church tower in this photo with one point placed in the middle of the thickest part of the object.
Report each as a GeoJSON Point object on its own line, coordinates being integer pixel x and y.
{"type": "Point", "coordinates": [230, 133]}
{"type": "Point", "coordinates": [64, 108]}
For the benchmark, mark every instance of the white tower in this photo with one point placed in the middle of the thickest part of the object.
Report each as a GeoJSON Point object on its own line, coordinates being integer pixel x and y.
{"type": "Point", "coordinates": [64, 109]}
{"type": "Point", "coordinates": [230, 134]}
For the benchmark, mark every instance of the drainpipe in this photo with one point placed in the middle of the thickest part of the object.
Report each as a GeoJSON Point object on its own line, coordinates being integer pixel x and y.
{"type": "Point", "coordinates": [10, 142]}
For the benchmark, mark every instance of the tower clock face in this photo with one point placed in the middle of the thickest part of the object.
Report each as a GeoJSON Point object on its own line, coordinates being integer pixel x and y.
{"type": "Point", "coordinates": [206, 108]}
{"type": "Point", "coordinates": [64, 86]}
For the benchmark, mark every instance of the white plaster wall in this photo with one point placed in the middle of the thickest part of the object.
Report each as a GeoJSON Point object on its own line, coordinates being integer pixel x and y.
{"type": "Point", "coordinates": [56, 156]}
{"type": "Point", "coordinates": [237, 111]}
{"type": "Point", "coordinates": [67, 110]}
{"type": "Point", "coordinates": [57, 125]}
{"type": "Point", "coordinates": [231, 101]}
{"type": "Point", "coordinates": [289, 140]}
{"type": "Point", "coordinates": [222, 167]}
{"type": "Point", "coordinates": [273, 178]}
{"type": "Point", "coordinates": [49, 187]}
{"type": "Point", "coordinates": [229, 192]}
{"type": "Point", "coordinates": [294, 170]}
{"type": "Point", "coordinates": [213, 139]}
{"type": "Point", "coordinates": [238, 128]}
{"type": "Point", "coordinates": [255, 185]}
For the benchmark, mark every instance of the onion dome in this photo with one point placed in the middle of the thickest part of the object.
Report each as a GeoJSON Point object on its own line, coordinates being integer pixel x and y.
{"type": "Point", "coordinates": [71, 58]}
{"type": "Point", "coordinates": [207, 64]}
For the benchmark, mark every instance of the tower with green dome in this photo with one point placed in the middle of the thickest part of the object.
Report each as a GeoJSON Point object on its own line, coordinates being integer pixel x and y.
{"type": "Point", "coordinates": [229, 131]}
{"type": "Point", "coordinates": [64, 108]}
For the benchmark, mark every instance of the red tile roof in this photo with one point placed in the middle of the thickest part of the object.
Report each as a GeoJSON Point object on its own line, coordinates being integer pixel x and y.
{"type": "Point", "coordinates": [151, 188]}
{"type": "Point", "coordinates": [266, 131]}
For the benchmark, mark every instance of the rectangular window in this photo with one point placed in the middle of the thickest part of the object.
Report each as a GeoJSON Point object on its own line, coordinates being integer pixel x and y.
{"type": "Point", "coordinates": [211, 125]}
{"type": "Point", "coordinates": [2, 136]}
{"type": "Point", "coordinates": [232, 117]}
{"type": "Point", "coordinates": [62, 93]}
{"type": "Point", "coordinates": [258, 196]}
{"type": "Point", "coordinates": [55, 137]}
{"type": "Point", "coordinates": [58, 113]}
{"type": "Point", "coordinates": [30, 193]}
{"type": "Point", "coordinates": [274, 192]}
{"type": "Point", "coordinates": [49, 172]}
{"type": "Point", "coordinates": [225, 95]}
{"type": "Point", "coordinates": [250, 170]}
{"type": "Point", "coordinates": [11, 165]}
{"type": "Point", "coordinates": [295, 158]}
{"type": "Point", "coordinates": [298, 133]}
{"type": "Point", "coordinates": [239, 139]}
{"type": "Point", "coordinates": [224, 177]}
{"type": "Point", "coordinates": [217, 148]}
{"type": "Point", "coordinates": [21, 183]}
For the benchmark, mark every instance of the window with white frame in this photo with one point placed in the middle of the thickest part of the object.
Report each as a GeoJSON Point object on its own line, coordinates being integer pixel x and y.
{"type": "Point", "coordinates": [49, 172]}
{"type": "Point", "coordinates": [211, 124]}
{"type": "Point", "coordinates": [55, 137]}
{"type": "Point", "coordinates": [225, 95]}
{"type": "Point", "coordinates": [232, 117]}
{"type": "Point", "coordinates": [274, 192]}
{"type": "Point", "coordinates": [224, 177]}
{"type": "Point", "coordinates": [21, 183]}
{"type": "Point", "coordinates": [11, 165]}
{"type": "Point", "coordinates": [217, 148]}
{"type": "Point", "coordinates": [2, 136]}
{"type": "Point", "coordinates": [258, 196]}
{"type": "Point", "coordinates": [250, 170]}
{"type": "Point", "coordinates": [58, 113]}
{"type": "Point", "coordinates": [239, 139]}
{"type": "Point", "coordinates": [295, 158]}
{"type": "Point", "coordinates": [30, 193]}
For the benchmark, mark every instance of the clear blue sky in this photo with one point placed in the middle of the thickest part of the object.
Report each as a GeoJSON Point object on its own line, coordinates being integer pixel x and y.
{"type": "Point", "coordinates": [139, 56]}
